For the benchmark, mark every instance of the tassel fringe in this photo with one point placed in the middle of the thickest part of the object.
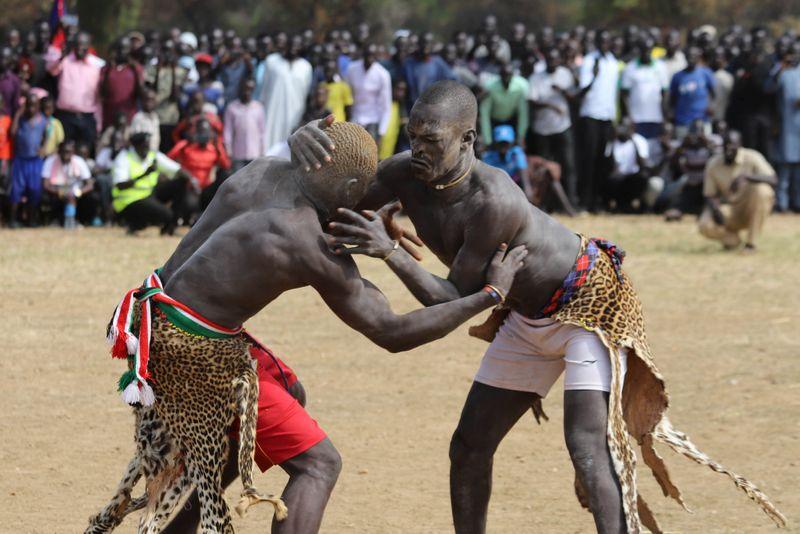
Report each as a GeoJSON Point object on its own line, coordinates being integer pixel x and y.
{"type": "Point", "coordinates": [250, 498]}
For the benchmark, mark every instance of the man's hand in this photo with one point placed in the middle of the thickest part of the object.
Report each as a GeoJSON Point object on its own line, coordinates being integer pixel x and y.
{"type": "Point", "coordinates": [310, 145]}
{"type": "Point", "coordinates": [738, 182]}
{"type": "Point", "coordinates": [363, 234]}
{"type": "Point", "coordinates": [716, 214]}
{"type": "Point", "coordinates": [505, 266]}
{"type": "Point", "coordinates": [406, 238]}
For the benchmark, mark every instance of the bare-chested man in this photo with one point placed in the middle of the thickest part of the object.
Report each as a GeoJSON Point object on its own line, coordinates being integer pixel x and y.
{"type": "Point", "coordinates": [572, 310]}
{"type": "Point", "coordinates": [262, 235]}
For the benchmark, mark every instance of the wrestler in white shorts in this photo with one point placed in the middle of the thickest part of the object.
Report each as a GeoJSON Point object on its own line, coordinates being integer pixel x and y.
{"type": "Point", "coordinates": [530, 354]}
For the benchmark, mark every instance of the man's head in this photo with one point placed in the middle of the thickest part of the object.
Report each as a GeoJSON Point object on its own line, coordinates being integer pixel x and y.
{"type": "Point", "coordinates": [673, 42]}
{"type": "Point", "coordinates": [122, 49]}
{"type": "Point", "coordinates": [202, 132]}
{"type": "Point", "coordinates": [120, 120]}
{"type": "Point", "coordinates": [343, 182]}
{"type": "Point", "coordinates": [295, 47]}
{"type": "Point", "coordinates": [48, 107]}
{"type": "Point", "coordinates": [490, 25]}
{"type": "Point", "coordinates": [6, 58]}
{"type": "Point", "coordinates": [646, 50]}
{"type": "Point", "coordinates": [320, 96]}
{"type": "Point", "coordinates": [425, 47]}
{"type": "Point", "coordinates": [693, 56]}
{"type": "Point", "coordinates": [370, 54]}
{"type": "Point", "coordinates": [196, 103]}
{"type": "Point", "coordinates": [202, 63]}
{"type": "Point", "coordinates": [624, 130]}
{"type": "Point", "coordinates": [518, 32]}
{"type": "Point", "coordinates": [66, 150]}
{"type": "Point", "coordinates": [603, 41]}
{"type": "Point", "coordinates": [399, 90]}
{"type": "Point", "coordinates": [506, 74]}
{"type": "Point", "coordinates": [140, 141]}
{"type": "Point", "coordinates": [31, 105]}
{"type": "Point", "coordinates": [43, 34]}
{"type": "Point", "coordinates": [731, 144]}
{"type": "Point", "coordinates": [149, 100]}
{"type": "Point", "coordinates": [265, 46]}
{"type": "Point", "coordinates": [246, 89]}
{"type": "Point", "coordinates": [696, 134]}
{"type": "Point", "coordinates": [553, 59]}
{"type": "Point", "coordinates": [719, 58]}
{"type": "Point", "coordinates": [441, 129]}
{"type": "Point", "coordinates": [82, 43]}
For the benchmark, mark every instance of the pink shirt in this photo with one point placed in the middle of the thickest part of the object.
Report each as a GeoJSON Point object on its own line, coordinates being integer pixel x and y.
{"type": "Point", "coordinates": [78, 83]}
{"type": "Point", "coordinates": [244, 130]}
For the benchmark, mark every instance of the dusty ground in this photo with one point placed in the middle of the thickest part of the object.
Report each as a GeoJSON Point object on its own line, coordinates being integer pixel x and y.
{"type": "Point", "coordinates": [724, 329]}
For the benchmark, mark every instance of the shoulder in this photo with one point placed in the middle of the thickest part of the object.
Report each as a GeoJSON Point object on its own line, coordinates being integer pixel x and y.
{"type": "Point", "coordinates": [714, 162]}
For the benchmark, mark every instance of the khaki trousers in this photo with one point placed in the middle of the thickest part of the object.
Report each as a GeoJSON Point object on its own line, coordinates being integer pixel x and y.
{"type": "Point", "coordinates": [747, 211]}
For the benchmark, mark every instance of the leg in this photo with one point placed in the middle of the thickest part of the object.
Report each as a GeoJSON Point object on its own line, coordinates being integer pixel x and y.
{"type": "Point", "coordinates": [564, 153]}
{"type": "Point", "coordinates": [710, 229]}
{"type": "Point", "coordinates": [312, 476]}
{"type": "Point", "coordinates": [751, 210]}
{"type": "Point", "coordinates": [488, 415]}
{"type": "Point", "coordinates": [145, 212]}
{"type": "Point", "coordinates": [585, 418]}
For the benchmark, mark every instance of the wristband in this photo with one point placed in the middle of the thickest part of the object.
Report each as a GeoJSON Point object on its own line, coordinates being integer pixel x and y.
{"type": "Point", "coordinates": [496, 294]}
{"type": "Point", "coordinates": [394, 249]}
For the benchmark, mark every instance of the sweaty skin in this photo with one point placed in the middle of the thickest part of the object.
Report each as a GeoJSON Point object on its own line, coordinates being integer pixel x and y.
{"type": "Point", "coordinates": [476, 208]}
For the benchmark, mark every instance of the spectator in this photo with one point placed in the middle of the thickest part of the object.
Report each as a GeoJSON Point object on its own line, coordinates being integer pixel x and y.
{"type": "Point", "coordinates": [691, 94]}
{"type": "Point", "coordinates": [54, 134]}
{"type": "Point", "coordinates": [505, 154]}
{"type": "Point", "coordinates": [552, 124]}
{"type": "Point", "coordinates": [372, 93]}
{"type": "Point", "coordinates": [196, 110]}
{"type": "Point", "coordinates": [317, 106]}
{"type": "Point", "coordinates": [488, 33]}
{"type": "Point", "coordinates": [10, 84]}
{"type": "Point", "coordinates": [78, 103]}
{"type": "Point", "coordinates": [66, 180]}
{"type": "Point", "coordinates": [212, 90]}
{"type": "Point", "coordinates": [201, 157]}
{"type": "Point", "coordinates": [723, 84]}
{"type": "Point", "coordinates": [121, 83]}
{"type": "Point", "coordinates": [644, 87]}
{"type": "Point", "coordinates": [396, 139]}
{"type": "Point", "coordinates": [505, 102]}
{"type": "Point", "coordinates": [786, 82]}
{"type": "Point", "coordinates": [424, 68]}
{"type": "Point", "coordinates": [244, 125]}
{"type": "Point", "coordinates": [630, 187]}
{"type": "Point", "coordinates": [120, 124]}
{"type": "Point", "coordinates": [685, 194]}
{"type": "Point", "coordinates": [235, 65]}
{"type": "Point", "coordinates": [139, 198]}
{"type": "Point", "coordinates": [287, 82]}
{"type": "Point", "coordinates": [28, 131]}
{"type": "Point", "coordinates": [166, 78]}
{"type": "Point", "coordinates": [146, 119]}
{"type": "Point", "coordinates": [396, 63]}
{"type": "Point", "coordinates": [340, 97]}
{"type": "Point", "coordinates": [599, 75]}
{"type": "Point", "coordinates": [187, 45]}
{"type": "Point", "coordinates": [5, 154]}
{"type": "Point", "coordinates": [739, 195]}
{"type": "Point", "coordinates": [459, 66]}
{"type": "Point", "coordinates": [102, 173]}
{"type": "Point", "coordinates": [674, 59]}
{"type": "Point", "coordinates": [264, 48]}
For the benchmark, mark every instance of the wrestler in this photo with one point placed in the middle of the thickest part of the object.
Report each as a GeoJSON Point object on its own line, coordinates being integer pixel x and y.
{"type": "Point", "coordinates": [262, 235]}
{"type": "Point", "coordinates": [571, 309]}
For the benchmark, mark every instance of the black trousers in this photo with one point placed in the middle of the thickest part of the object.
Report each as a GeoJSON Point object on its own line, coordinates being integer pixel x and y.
{"type": "Point", "coordinates": [560, 148]}
{"type": "Point", "coordinates": [78, 126]}
{"type": "Point", "coordinates": [154, 210]}
{"type": "Point", "coordinates": [594, 135]}
{"type": "Point", "coordinates": [623, 189]}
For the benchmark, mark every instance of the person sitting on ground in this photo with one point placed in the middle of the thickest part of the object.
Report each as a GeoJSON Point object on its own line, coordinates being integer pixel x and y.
{"type": "Point", "coordinates": [686, 191]}
{"type": "Point", "coordinates": [738, 188]}
{"type": "Point", "coordinates": [202, 158]}
{"type": "Point", "coordinates": [67, 180]}
{"type": "Point", "coordinates": [630, 187]}
{"type": "Point", "coordinates": [120, 124]}
{"type": "Point", "coordinates": [138, 197]}
{"type": "Point", "coordinates": [505, 154]}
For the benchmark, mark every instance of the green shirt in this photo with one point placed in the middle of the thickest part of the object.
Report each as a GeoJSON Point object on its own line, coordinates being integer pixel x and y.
{"type": "Point", "coordinates": [501, 104]}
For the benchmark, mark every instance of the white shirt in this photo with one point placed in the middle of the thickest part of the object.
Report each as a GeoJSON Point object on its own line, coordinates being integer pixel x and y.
{"type": "Point", "coordinates": [283, 93]}
{"type": "Point", "coordinates": [67, 174]}
{"type": "Point", "coordinates": [600, 102]}
{"type": "Point", "coordinates": [542, 84]}
{"type": "Point", "coordinates": [675, 64]}
{"type": "Point", "coordinates": [646, 84]}
{"type": "Point", "coordinates": [372, 94]}
{"type": "Point", "coordinates": [120, 172]}
{"type": "Point", "coordinates": [625, 153]}
{"type": "Point", "coordinates": [143, 121]}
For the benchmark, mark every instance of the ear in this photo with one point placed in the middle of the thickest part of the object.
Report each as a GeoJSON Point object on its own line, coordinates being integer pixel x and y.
{"type": "Point", "coordinates": [352, 192]}
{"type": "Point", "coordinates": [468, 139]}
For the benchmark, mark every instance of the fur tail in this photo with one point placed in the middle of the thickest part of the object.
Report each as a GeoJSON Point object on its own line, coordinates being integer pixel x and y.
{"type": "Point", "coordinates": [679, 442]}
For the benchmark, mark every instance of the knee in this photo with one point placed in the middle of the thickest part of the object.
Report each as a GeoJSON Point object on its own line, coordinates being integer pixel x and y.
{"type": "Point", "coordinates": [587, 447]}
{"type": "Point", "coordinates": [326, 465]}
{"type": "Point", "coordinates": [465, 452]}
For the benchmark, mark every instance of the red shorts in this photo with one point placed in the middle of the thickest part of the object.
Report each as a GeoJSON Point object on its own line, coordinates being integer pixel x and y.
{"type": "Point", "coordinates": [283, 429]}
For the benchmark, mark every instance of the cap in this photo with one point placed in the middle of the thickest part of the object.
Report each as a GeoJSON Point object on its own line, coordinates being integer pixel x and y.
{"type": "Point", "coordinates": [188, 39]}
{"type": "Point", "coordinates": [503, 134]}
{"type": "Point", "coordinates": [204, 58]}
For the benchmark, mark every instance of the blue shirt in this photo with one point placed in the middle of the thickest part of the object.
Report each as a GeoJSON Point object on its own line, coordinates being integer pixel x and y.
{"type": "Point", "coordinates": [690, 90]}
{"type": "Point", "coordinates": [29, 136]}
{"type": "Point", "coordinates": [513, 162]}
{"type": "Point", "coordinates": [421, 74]}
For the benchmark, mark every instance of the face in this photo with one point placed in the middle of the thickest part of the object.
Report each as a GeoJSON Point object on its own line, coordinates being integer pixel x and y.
{"type": "Point", "coordinates": [399, 91]}
{"type": "Point", "coordinates": [604, 41]}
{"type": "Point", "coordinates": [673, 41]}
{"type": "Point", "coordinates": [43, 33]}
{"type": "Point", "coordinates": [66, 151]}
{"type": "Point", "coordinates": [246, 91]}
{"type": "Point", "coordinates": [436, 148]}
{"type": "Point", "coordinates": [731, 148]}
{"type": "Point", "coordinates": [82, 45]}
{"type": "Point", "coordinates": [519, 31]}
{"type": "Point", "coordinates": [281, 42]}
{"type": "Point", "coordinates": [506, 74]}
{"type": "Point", "coordinates": [370, 53]}
{"type": "Point", "coordinates": [321, 97]}
{"type": "Point", "coordinates": [426, 44]}
{"type": "Point", "coordinates": [6, 56]}
{"type": "Point", "coordinates": [196, 103]}
{"type": "Point", "coordinates": [217, 38]}
{"type": "Point", "coordinates": [450, 53]}
{"type": "Point", "coordinates": [553, 60]}
{"type": "Point", "coordinates": [203, 69]}
{"type": "Point", "coordinates": [123, 49]}
{"type": "Point", "coordinates": [693, 57]}
{"type": "Point", "coordinates": [624, 129]}
{"type": "Point", "coordinates": [168, 51]}
{"type": "Point", "coordinates": [490, 24]}
{"type": "Point", "coordinates": [296, 47]}
{"type": "Point", "coordinates": [48, 108]}
{"type": "Point", "coordinates": [149, 102]}
{"type": "Point", "coordinates": [646, 50]}
{"type": "Point", "coordinates": [202, 133]}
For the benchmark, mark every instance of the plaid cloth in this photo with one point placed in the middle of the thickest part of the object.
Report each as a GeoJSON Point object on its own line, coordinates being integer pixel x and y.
{"type": "Point", "coordinates": [579, 273]}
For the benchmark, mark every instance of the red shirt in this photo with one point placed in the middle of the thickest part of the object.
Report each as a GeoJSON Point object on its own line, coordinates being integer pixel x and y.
{"type": "Point", "coordinates": [185, 128]}
{"type": "Point", "coordinates": [120, 91]}
{"type": "Point", "coordinates": [200, 160]}
{"type": "Point", "coordinates": [5, 140]}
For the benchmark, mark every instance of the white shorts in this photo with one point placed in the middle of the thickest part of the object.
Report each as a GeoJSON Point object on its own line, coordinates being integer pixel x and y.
{"type": "Point", "coordinates": [530, 354]}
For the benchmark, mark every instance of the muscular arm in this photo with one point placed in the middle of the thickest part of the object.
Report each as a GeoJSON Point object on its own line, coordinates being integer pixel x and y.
{"type": "Point", "coordinates": [363, 307]}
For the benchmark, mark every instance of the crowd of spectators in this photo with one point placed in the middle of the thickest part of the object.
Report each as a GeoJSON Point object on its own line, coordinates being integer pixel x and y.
{"type": "Point", "coordinates": [583, 120]}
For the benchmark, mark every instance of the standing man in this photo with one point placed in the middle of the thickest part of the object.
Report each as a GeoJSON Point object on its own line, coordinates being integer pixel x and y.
{"type": "Point", "coordinates": [462, 209]}
{"type": "Point", "coordinates": [505, 102]}
{"type": "Point", "coordinates": [166, 78]}
{"type": "Point", "coordinates": [78, 104]}
{"type": "Point", "coordinates": [121, 84]}
{"type": "Point", "coordinates": [10, 83]}
{"type": "Point", "coordinates": [599, 76]}
{"type": "Point", "coordinates": [372, 93]}
{"type": "Point", "coordinates": [287, 82]}
{"type": "Point", "coordinates": [738, 188]}
{"type": "Point", "coordinates": [723, 83]}
{"type": "Point", "coordinates": [424, 68]}
{"type": "Point", "coordinates": [691, 93]}
{"type": "Point", "coordinates": [552, 124]}
{"type": "Point", "coordinates": [644, 86]}
{"type": "Point", "coordinates": [243, 128]}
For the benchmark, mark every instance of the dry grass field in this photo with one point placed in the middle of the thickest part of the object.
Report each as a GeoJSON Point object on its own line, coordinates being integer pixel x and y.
{"type": "Point", "coordinates": [724, 329]}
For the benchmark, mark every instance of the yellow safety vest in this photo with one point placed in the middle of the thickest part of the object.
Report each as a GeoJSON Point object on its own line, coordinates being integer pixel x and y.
{"type": "Point", "coordinates": [143, 188]}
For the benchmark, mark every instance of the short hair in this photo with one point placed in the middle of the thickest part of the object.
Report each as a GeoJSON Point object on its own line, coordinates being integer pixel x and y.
{"type": "Point", "coordinates": [454, 97]}
{"type": "Point", "coordinates": [356, 156]}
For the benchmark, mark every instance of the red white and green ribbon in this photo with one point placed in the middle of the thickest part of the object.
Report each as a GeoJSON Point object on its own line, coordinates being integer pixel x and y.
{"type": "Point", "coordinates": [136, 347]}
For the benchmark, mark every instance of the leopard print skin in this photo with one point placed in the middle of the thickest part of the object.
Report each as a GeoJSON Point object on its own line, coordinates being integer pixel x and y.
{"type": "Point", "coordinates": [201, 385]}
